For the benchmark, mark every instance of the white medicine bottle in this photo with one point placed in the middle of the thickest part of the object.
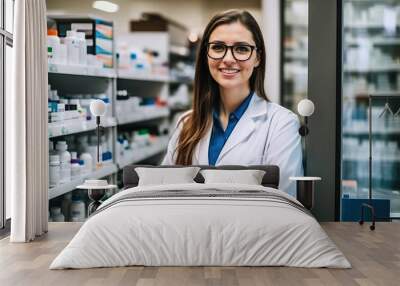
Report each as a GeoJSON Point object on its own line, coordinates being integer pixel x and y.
{"type": "Point", "coordinates": [72, 43]}
{"type": "Point", "coordinates": [53, 46]}
{"type": "Point", "coordinates": [82, 48]}
{"type": "Point", "coordinates": [65, 161]}
{"type": "Point", "coordinates": [54, 169]}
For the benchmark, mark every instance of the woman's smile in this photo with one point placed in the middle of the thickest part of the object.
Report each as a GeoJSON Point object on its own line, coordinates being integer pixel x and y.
{"type": "Point", "coordinates": [229, 72]}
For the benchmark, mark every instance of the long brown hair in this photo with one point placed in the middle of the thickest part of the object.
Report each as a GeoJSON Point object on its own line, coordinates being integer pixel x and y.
{"type": "Point", "coordinates": [206, 91]}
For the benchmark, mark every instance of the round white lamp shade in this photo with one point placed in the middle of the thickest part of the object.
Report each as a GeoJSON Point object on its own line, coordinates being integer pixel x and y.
{"type": "Point", "coordinates": [98, 107]}
{"type": "Point", "coordinates": [305, 107]}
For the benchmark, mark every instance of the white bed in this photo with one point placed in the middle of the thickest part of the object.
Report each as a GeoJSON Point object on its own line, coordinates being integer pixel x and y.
{"type": "Point", "coordinates": [224, 225]}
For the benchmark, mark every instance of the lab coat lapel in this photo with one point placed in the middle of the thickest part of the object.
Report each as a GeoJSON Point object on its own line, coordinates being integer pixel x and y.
{"type": "Point", "coordinates": [246, 125]}
{"type": "Point", "coordinates": [243, 129]}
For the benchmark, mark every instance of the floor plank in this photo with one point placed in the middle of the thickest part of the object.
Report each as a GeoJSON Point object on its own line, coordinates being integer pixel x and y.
{"type": "Point", "coordinates": [374, 255]}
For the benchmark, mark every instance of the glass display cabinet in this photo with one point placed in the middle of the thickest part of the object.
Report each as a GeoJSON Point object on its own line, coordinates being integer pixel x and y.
{"type": "Point", "coordinates": [371, 68]}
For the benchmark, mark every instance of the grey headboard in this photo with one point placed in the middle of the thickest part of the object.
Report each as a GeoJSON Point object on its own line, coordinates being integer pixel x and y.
{"type": "Point", "coordinates": [270, 179]}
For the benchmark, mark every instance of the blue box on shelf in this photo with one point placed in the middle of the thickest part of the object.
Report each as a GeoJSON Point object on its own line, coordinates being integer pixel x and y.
{"type": "Point", "coordinates": [351, 209]}
{"type": "Point", "coordinates": [105, 156]}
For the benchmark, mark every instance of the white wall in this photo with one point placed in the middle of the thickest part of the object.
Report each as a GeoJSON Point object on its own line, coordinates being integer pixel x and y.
{"type": "Point", "coordinates": [194, 14]}
{"type": "Point", "coordinates": [272, 36]}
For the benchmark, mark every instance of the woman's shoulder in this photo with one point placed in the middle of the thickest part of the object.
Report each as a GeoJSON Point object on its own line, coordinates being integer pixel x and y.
{"type": "Point", "coordinates": [273, 111]}
{"type": "Point", "coordinates": [182, 117]}
{"type": "Point", "coordinates": [178, 120]}
{"type": "Point", "coordinates": [278, 112]}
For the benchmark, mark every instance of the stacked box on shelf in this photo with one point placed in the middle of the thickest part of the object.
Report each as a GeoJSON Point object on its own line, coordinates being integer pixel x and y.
{"type": "Point", "coordinates": [152, 22]}
{"type": "Point", "coordinates": [99, 35]}
{"type": "Point", "coordinates": [181, 57]}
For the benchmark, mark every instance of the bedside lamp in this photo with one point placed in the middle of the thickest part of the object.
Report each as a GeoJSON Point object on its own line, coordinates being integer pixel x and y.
{"type": "Point", "coordinates": [306, 109]}
{"type": "Point", "coordinates": [98, 108]}
{"type": "Point", "coordinates": [96, 188]}
{"type": "Point", "coordinates": [305, 185]}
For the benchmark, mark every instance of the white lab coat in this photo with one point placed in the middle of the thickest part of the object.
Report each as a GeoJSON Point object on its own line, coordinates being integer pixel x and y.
{"type": "Point", "coordinates": [266, 134]}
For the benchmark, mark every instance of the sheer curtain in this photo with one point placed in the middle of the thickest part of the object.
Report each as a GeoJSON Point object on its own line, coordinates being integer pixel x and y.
{"type": "Point", "coordinates": [26, 121]}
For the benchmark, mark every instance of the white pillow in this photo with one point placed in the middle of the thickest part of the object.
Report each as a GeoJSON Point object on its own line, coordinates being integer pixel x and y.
{"type": "Point", "coordinates": [249, 177]}
{"type": "Point", "coordinates": [166, 176]}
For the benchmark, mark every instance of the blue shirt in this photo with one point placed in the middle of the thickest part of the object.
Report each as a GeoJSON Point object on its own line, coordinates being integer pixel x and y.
{"type": "Point", "coordinates": [219, 136]}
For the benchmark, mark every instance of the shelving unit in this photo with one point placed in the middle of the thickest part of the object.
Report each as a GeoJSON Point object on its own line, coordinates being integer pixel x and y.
{"type": "Point", "coordinates": [372, 69]}
{"type": "Point", "coordinates": [70, 127]}
{"type": "Point", "coordinates": [143, 77]}
{"type": "Point", "coordinates": [143, 114]}
{"type": "Point", "coordinates": [295, 55]}
{"type": "Point", "coordinates": [361, 25]}
{"type": "Point", "coordinates": [144, 152]}
{"type": "Point", "coordinates": [106, 170]}
{"type": "Point", "coordinates": [74, 126]}
{"type": "Point", "coordinates": [378, 41]}
{"type": "Point", "coordinates": [145, 84]}
{"type": "Point", "coordinates": [382, 93]}
{"type": "Point", "coordinates": [179, 50]}
{"type": "Point", "coordinates": [364, 132]}
{"type": "Point", "coordinates": [68, 79]}
{"type": "Point", "coordinates": [294, 72]}
{"type": "Point", "coordinates": [82, 70]}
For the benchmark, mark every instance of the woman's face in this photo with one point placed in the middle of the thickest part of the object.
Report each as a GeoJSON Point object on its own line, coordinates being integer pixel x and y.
{"type": "Point", "coordinates": [228, 72]}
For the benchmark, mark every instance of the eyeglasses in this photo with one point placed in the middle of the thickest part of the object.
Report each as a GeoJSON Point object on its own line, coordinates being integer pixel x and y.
{"type": "Point", "coordinates": [240, 52]}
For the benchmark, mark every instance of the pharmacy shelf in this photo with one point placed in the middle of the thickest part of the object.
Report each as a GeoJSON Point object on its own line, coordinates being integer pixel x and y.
{"type": "Point", "coordinates": [143, 153]}
{"type": "Point", "coordinates": [296, 55]}
{"type": "Point", "coordinates": [81, 70]}
{"type": "Point", "coordinates": [293, 22]}
{"type": "Point", "coordinates": [179, 50]}
{"type": "Point", "coordinates": [383, 93]}
{"type": "Point", "coordinates": [364, 131]}
{"type": "Point", "coordinates": [377, 69]}
{"type": "Point", "coordinates": [374, 41]}
{"type": "Point", "coordinates": [181, 80]}
{"type": "Point", "coordinates": [179, 107]}
{"type": "Point", "coordinates": [376, 159]}
{"type": "Point", "coordinates": [142, 114]}
{"type": "Point", "coordinates": [368, 25]}
{"type": "Point", "coordinates": [378, 192]}
{"type": "Point", "coordinates": [74, 126]}
{"type": "Point", "coordinates": [142, 77]}
{"type": "Point", "coordinates": [106, 170]}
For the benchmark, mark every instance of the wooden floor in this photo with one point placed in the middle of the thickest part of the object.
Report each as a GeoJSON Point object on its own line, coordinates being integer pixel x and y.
{"type": "Point", "coordinates": [374, 255]}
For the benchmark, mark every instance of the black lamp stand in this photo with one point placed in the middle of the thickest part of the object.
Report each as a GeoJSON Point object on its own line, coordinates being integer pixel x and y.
{"type": "Point", "coordinates": [303, 130]}
{"type": "Point", "coordinates": [95, 195]}
{"type": "Point", "coordinates": [305, 185]}
{"type": "Point", "coordinates": [98, 139]}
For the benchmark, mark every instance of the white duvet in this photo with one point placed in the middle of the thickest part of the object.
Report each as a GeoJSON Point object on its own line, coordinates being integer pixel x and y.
{"type": "Point", "coordinates": [183, 231]}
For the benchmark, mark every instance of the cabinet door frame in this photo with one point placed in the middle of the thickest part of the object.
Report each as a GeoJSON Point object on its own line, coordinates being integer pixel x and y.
{"type": "Point", "coordinates": [325, 90]}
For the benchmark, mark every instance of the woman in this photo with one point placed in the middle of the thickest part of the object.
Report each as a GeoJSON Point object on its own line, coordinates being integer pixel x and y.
{"type": "Point", "coordinates": [232, 121]}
